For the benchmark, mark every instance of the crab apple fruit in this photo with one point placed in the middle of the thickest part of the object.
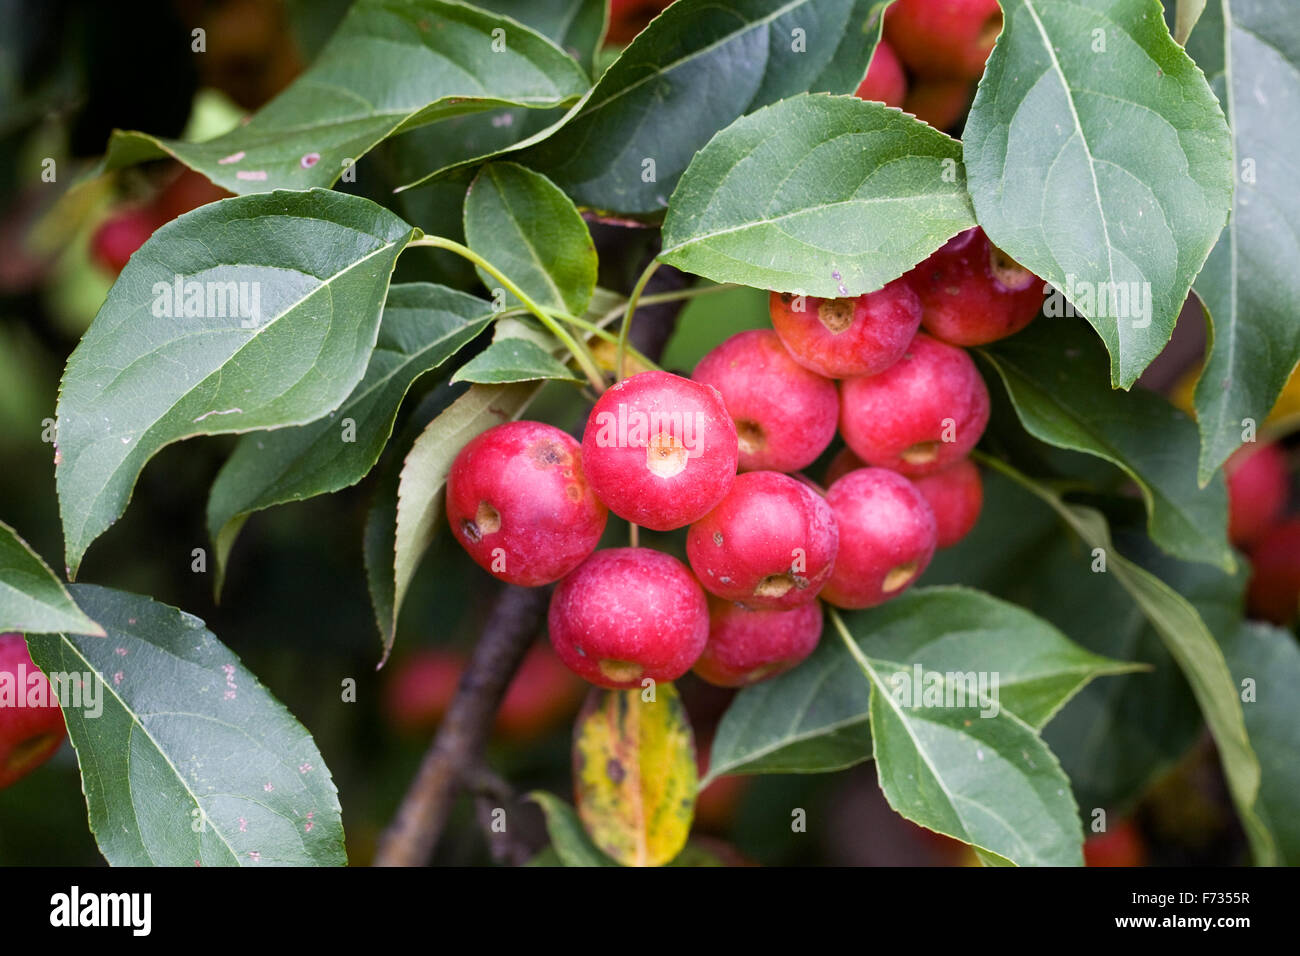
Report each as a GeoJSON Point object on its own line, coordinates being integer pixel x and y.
{"type": "Point", "coordinates": [1121, 845]}
{"type": "Point", "coordinates": [31, 721]}
{"type": "Point", "coordinates": [785, 415]}
{"type": "Point", "coordinates": [627, 18]}
{"type": "Point", "coordinates": [627, 614]}
{"type": "Point", "coordinates": [839, 338]}
{"type": "Point", "coordinates": [519, 503]}
{"type": "Point", "coordinates": [955, 495]}
{"type": "Point", "coordinates": [746, 646]}
{"type": "Point", "coordinates": [188, 191]}
{"type": "Point", "coordinates": [885, 81]}
{"type": "Point", "coordinates": [120, 235]}
{"type": "Point", "coordinates": [421, 688]}
{"type": "Point", "coordinates": [972, 293]}
{"type": "Point", "coordinates": [1274, 592]}
{"type": "Point", "coordinates": [769, 544]}
{"type": "Point", "coordinates": [843, 463]}
{"type": "Point", "coordinates": [887, 537]}
{"type": "Point", "coordinates": [944, 38]}
{"type": "Point", "coordinates": [941, 103]}
{"type": "Point", "coordinates": [922, 414]}
{"type": "Point", "coordinates": [543, 694]}
{"type": "Point", "coordinates": [1257, 491]}
{"type": "Point", "coordinates": [660, 450]}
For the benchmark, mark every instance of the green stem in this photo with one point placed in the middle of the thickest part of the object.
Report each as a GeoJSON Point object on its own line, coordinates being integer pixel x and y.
{"type": "Point", "coordinates": [628, 315]}
{"type": "Point", "coordinates": [600, 333]}
{"type": "Point", "coordinates": [580, 352]}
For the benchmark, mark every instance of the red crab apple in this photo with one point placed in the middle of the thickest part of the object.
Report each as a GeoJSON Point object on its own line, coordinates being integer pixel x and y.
{"type": "Point", "coordinates": [769, 544]}
{"type": "Point", "coordinates": [887, 537]}
{"type": "Point", "coordinates": [1257, 491]}
{"type": "Point", "coordinates": [519, 503]}
{"type": "Point", "coordinates": [627, 614]}
{"type": "Point", "coordinates": [421, 688]}
{"type": "Point", "coordinates": [543, 694]}
{"type": "Point", "coordinates": [1121, 845]}
{"type": "Point", "coordinates": [919, 416]}
{"type": "Point", "coordinates": [839, 338]}
{"type": "Point", "coordinates": [941, 103]}
{"type": "Point", "coordinates": [120, 235]}
{"type": "Point", "coordinates": [973, 293]}
{"type": "Point", "coordinates": [885, 81]}
{"type": "Point", "coordinates": [31, 721]}
{"type": "Point", "coordinates": [956, 496]}
{"type": "Point", "coordinates": [785, 415]}
{"type": "Point", "coordinates": [944, 38]}
{"type": "Point", "coordinates": [1274, 593]}
{"type": "Point", "coordinates": [627, 18]}
{"type": "Point", "coordinates": [189, 190]}
{"type": "Point", "coordinates": [660, 450]}
{"type": "Point", "coordinates": [746, 646]}
{"type": "Point", "coordinates": [843, 463]}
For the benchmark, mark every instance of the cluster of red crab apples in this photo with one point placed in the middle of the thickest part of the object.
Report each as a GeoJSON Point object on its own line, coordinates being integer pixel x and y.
{"type": "Point", "coordinates": [721, 454]}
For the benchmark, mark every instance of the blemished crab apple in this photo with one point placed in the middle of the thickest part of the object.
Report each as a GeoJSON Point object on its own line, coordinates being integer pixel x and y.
{"type": "Point", "coordinates": [660, 450]}
{"type": "Point", "coordinates": [31, 721]}
{"type": "Point", "coordinates": [521, 506]}
{"type": "Point", "coordinates": [628, 614]}
{"type": "Point", "coordinates": [919, 416]}
{"type": "Point", "coordinates": [770, 543]}
{"type": "Point", "coordinates": [746, 646]}
{"type": "Point", "coordinates": [785, 415]}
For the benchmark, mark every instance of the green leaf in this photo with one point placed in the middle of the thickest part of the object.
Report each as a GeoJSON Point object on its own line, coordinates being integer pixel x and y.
{"type": "Point", "coordinates": [1192, 645]}
{"type": "Point", "coordinates": [185, 758]}
{"type": "Point", "coordinates": [1270, 658]}
{"type": "Point", "coordinates": [32, 599]}
{"type": "Point", "coordinates": [1098, 159]}
{"type": "Point", "coordinates": [696, 68]}
{"type": "Point", "coordinates": [1055, 374]}
{"type": "Point", "coordinates": [513, 360]}
{"type": "Point", "coordinates": [569, 840]}
{"type": "Point", "coordinates": [422, 326]}
{"type": "Point", "coordinates": [520, 222]}
{"type": "Point", "coordinates": [814, 719]}
{"type": "Point", "coordinates": [1250, 49]}
{"type": "Point", "coordinates": [576, 26]}
{"type": "Point", "coordinates": [290, 286]}
{"type": "Point", "coordinates": [391, 66]}
{"type": "Point", "coordinates": [970, 771]}
{"type": "Point", "coordinates": [817, 195]}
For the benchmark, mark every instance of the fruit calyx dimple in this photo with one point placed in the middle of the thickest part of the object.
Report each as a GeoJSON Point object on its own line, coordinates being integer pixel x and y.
{"type": "Point", "coordinates": [665, 455]}
{"type": "Point", "coordinates": [619, 672]}
{"type": "Point", "coordinates": [835, 314]}
{"type": "Point", "coordinates": [922, 453]}
{"type": "Point", "coordinates": [1006, 271]}
{"type": "Point", "coordinates": [487, 520]}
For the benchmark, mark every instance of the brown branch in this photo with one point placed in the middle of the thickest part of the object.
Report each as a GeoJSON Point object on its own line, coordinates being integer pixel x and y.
{"type": "Point", "coordinates": [457, 748]}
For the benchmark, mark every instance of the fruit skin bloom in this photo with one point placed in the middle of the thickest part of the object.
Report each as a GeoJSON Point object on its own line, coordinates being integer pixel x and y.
{"type": "Point", "coordinates": [519, 503]}
{"type": "Point", "coordinates": [746, 646]}
{"type": "Point", "coordinates": [785, 415]}
{"type": "Point", "coordinates": [660, 450]}
{"type": "Point", "coordinates": [770, 543]}
{"type": "Point", "coordinates": [627, 614]}
{"type": "Point", "coordinates": [887, 537]}
{"type": "Point", "coordinates": [922, 415]}
{"type": "Point", "coordinates": [839, 338]}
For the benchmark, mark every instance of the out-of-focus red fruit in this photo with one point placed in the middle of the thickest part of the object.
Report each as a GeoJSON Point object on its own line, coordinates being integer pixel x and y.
{"type": "Point", "coordinates": [542, 696]}
{"type": "Point", "coordinates": [956, 496]}
{"type": "Point", "coordinates": [747, 646]}
{"type": "Point", "coordinates": [627, 614]}
{"type": "Point", "coordinates": [520, 505]}
{"type": "Point", "coordinates": [660, 450]}
{"type": "Point", "coordinates": [972, 293]}
{"type": "Point", "coordinates": [1258, 484]}
{"type": "Point", "coordinates": [715, 805]}
{"type": "Point", "coordinates": [944, 38]}
{"type": "Point", "coordinates": [120, 235]}
{"type": "Point", "coordinates": [1274, 593]}
{"type": "Point", "coordinates": [421, 689]}
{"type": "Point", "coordinates": [785, 415]}
{"type": "Point", "coordinates": [189, 190]}
{"type": "Point", "coordinates": [838, 338]}
{"type": "Point", "coordinates": [887, 537]}
{"type": "Point", "coordinates": [885, 81]}
{"type": "Point", "coordinates": [31, 721]}
{"type": "Point", "coordinates": [627, 18]}
{"type": "Point", "coordinates": [1121, 845]}
{"type": "Point", "coordinates": [843, 463]}
{"type": "Point", "coordinates": [941, 103]}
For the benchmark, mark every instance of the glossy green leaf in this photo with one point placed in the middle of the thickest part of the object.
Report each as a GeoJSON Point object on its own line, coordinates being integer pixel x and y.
{"type": "Point", "coordinates": [569, 840]}
{"type": "Point", "coordinates": [819, 195]}
{"type": "Point", "coordinates": [32, 599]}
{"type": "Point", "coordinates": [393, 65]}
{"type": "Point", "coordinates": [422, 326]}
{"type": "Point", "coordinates": [695, 69]}
{"type": "Point", "coordinates": [1055, 373]}
{"type": "Point", "coordinates": [527, 228]}
{"type": "Point", "coordinates": [1098, 158]}
{"type": "Point", "coordinates": [1250, 50]}
{"type": "Point", "coordinates": [282, 299]}
{"type": "Point", "coordinates": [185, 758]}
{"type": "Point", "coordinates": [576, 26]}
{"type": "Point", "coordinates": [513, 360]}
